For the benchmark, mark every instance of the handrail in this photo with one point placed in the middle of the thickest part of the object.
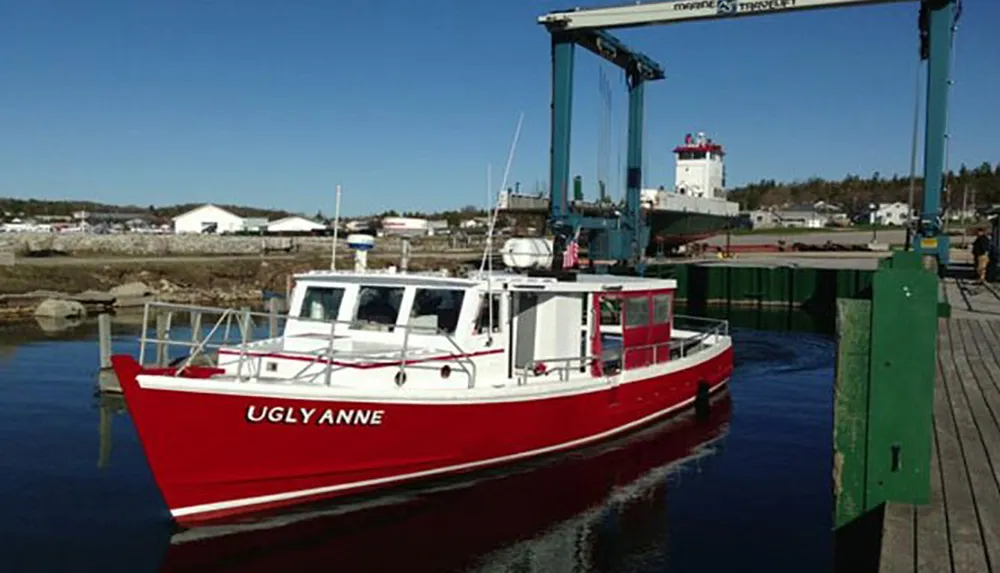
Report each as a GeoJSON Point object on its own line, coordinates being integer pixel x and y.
{"type": "Point", "coordinates": [716, 328]}
{"type": "Point", "coordinates": [245, 323]}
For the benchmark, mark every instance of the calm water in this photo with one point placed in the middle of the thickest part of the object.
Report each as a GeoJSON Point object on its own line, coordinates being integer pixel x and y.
{"type": "Point", "coordinates": [748, 488]}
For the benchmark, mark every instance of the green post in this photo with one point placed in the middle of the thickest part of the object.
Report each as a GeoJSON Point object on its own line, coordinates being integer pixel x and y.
{"type": "Point", "coordinates": [850, 414]}
{"type": "Point", "coordinates": [884, 391]}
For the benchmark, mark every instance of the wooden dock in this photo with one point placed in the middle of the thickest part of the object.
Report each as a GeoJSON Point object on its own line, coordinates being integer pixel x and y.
{"type": "Point", "coordinates": [959, 530]}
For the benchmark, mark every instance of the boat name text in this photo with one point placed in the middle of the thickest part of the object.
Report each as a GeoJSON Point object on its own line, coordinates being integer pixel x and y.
{"type": "Point", "coordinates": [299, 415]}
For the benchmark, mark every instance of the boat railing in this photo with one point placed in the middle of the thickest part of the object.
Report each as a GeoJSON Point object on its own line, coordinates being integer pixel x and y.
{"type": "Point", "coordinates": [614, 360]}
{"type": "Point", "coordinates": [705, 330]}
{"type": "Point", "coordinates": [562, 366]}
{"type": "Point", "coordinates": [238, 328]}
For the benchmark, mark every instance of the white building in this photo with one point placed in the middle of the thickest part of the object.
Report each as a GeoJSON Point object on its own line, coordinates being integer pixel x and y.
{"type": "Point", "coordinates": [294, 224]}
{"type": "Point", "coordinates": [208, 219]}
{"type": "Point", "coordinates": [405, 226]}
{"type": "Point", "coordinates": [255, 224]}
{"type": "Point", "coordinates": [699, 170]}
{"type": "Point", "coordinates": [890, 214]}
{"type": "Point", "coordinates": [437, 227]}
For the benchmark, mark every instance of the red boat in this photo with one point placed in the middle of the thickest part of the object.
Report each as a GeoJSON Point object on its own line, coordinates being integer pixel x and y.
{"type": "Point", "coordinates": [381, 379]}
{"type": "Point", "coordinates": [570, 497]}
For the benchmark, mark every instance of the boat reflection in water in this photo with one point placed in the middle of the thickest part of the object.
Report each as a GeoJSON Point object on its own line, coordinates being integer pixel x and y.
{"type": "Point", "coordinates": [551, 515]}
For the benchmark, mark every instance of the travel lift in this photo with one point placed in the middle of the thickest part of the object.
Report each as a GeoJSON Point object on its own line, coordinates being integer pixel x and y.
{"type": "Point", "coordinates": [622, 237]}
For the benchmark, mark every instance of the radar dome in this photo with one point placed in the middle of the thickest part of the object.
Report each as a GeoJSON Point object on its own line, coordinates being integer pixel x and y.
{"type": "Point", "coordinates": [361, 242]}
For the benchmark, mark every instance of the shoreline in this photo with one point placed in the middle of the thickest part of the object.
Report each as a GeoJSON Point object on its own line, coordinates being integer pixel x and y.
{"type": "Point", "coordinates": [83, 286]}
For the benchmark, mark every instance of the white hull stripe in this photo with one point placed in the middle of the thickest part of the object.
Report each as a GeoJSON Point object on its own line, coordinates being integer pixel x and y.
{"type": "Point", "coordinates": [275, 497]}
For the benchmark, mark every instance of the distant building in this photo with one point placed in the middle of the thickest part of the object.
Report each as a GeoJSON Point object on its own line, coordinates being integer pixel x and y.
{"type": "Point", "coordinates": [254, 224]}
{"type": "Point", "coordinates": [761, 219]}
{"type": "Point", "coordinates": [359, 226]}
{"type": "Point", "coordinates": [802, 218]}
{"type": "Point", "coordinates": [790, 218]}
{"type": "Point", "coordinates": [405, 226]}
{"type": "Point", "coordinates": [437, 227]}
{"type": "Point", "coordinates": [294, 224]}
{"type": "Point", "coordinates": [889, 214]}
{"type": "Point", "coordinates": [208, 219]}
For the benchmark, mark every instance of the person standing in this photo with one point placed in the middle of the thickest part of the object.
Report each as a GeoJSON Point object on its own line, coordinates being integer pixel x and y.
{"type": "Point", "coordinates": [981, 254]}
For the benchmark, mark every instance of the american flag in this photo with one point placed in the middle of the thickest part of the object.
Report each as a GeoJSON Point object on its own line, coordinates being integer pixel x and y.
{"type": "Point", "coordinates": [571, 256]}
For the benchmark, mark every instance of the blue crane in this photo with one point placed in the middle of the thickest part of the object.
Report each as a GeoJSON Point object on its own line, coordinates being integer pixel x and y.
{"type": "Point", "coordinates": [622, 236]}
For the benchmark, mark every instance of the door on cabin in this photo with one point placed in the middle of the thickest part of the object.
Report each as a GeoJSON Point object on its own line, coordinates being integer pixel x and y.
{"type": "Point", "coordinates": [636, 330]}
{"type": "Point", "coordinates": [524, 318]}
{"type": "Point", "coordinates": [659, 330]}
{"type": "Point", "coordinates": [606, 341]}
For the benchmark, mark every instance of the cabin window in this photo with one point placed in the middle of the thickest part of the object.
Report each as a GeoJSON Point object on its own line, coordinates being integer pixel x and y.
{"type": "Point", "coordinates": [661, 309]}
{"type": "Point", "coordinates": [321, 303]}
{"type": "Point", "coordinates": [378, 308]}
{"type": "Point", "coordinates": [436, 310]}
{"type": "Point", "coordinates": [637, 311]}
{"type": "Point", "coordinates": [483, 320]}
{"type": "Point", "coordinates": [611, 310]}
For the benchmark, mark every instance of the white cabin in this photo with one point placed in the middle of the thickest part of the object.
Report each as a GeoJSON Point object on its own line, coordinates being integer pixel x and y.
{"type": "Point", "coordinates": [371, 332]}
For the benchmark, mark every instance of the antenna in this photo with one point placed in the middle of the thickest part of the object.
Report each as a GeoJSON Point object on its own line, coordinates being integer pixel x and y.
{"type": "Point", "coordinates": [336, 226]}
{"type": "Point", "coordinates": [503, 185]}
{"type": "Point", "coordinates": [488, 251]}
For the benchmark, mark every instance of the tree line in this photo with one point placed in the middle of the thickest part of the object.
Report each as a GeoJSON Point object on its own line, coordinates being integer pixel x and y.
{"type": "Point", "coordinates": [974, 187]}
{"type": "Point", "coordinates": [979, 186]}
{"type": "Point", "coordinates": [14, 207]}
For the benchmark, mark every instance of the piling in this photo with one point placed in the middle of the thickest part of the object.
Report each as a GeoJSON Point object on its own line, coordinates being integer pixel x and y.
{"type": "Point", "coordinates": [107, 381]}
{"type": "Point", "coordinates": [104, 339]}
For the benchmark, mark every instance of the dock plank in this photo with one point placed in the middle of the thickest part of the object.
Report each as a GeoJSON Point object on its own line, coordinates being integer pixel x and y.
{"type": "Point", "coordinates": [898, 552]}
{"type": "Point", "coordinates": [985, 404]}
{"type": "Point", "coordinates": [958, 530]}
{"type": "Point", "coordinates": [966, 542]}
{"type": "Point", "coordinates": [973, 421]}
{"type": "Point", "coordinates": [932, 550]}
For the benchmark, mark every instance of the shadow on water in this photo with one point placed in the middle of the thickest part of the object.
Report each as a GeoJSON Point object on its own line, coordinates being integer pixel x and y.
{"type": "Point", "coordinates": [769, 319]}
{"type": "Point", "coordinates": [575, 512]}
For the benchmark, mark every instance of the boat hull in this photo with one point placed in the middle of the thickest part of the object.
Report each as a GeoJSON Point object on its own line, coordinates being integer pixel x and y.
{"type": "Point", "coordinates": [568, 493]}
{"type": "Point", "coordinates": [221, 456]}
{"type": "Point", "coordinates": [676, 228]}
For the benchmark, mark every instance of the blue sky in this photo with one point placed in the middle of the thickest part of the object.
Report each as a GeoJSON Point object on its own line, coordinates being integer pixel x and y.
{"type": "Point", "coordinates": [405, 103]}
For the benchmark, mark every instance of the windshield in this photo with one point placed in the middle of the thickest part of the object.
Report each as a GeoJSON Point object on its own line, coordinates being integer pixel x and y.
{"type": "Point", "coordinates": [377, 308]}
{"type": "Point", "coordinates": [321, 303]}
{"type": "Point", "coordinates": [436, 310]}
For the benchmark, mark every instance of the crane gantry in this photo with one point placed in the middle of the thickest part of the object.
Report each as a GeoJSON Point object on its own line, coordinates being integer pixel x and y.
{"type": "Point", "coordinates": [623, 237]}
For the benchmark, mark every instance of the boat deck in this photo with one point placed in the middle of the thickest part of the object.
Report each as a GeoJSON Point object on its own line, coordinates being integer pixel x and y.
{"type": "Point", "coordinates": [959, 530]}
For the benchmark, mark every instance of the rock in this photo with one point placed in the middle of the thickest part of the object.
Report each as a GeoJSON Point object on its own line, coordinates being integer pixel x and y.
{"type": "Point", "coordinates": [93, 297]}
{"type": "Point", "coordinates": [55, 308]}
{"type": "Point", "coordinates": [131, 290]}
{"type": "Point", "coordinates": [131, 294]}
{"type": "Point", "coordinates": [52, 325]}
{"type": "Point", "coordinates": [132, 302]}
{"type": "Point", "coordinates": [167, 286]}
